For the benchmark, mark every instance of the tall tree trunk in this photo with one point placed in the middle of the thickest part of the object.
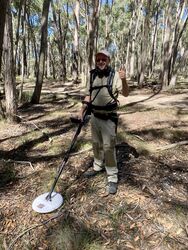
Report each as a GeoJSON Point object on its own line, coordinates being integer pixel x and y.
{"type": "Point", "coordinates": [154, 39]}
{"type": "Point", "coordinates": [61, 28]}
{"type": "Point", "coordinates": [18, 31]}
{"type": "Point", "coordinates": [108, 11]}
{"type": "Point", "coordinates": [24, 56]}
{"type": "Point", "coordinates": [33, 42]}
{"type": "Point", "coordinates": [177, 36]}
{"type": "Point", "coordinates": [52, 59]}
{"type": "Point", "coordinates": [128, 44]}
{"type": "Point", "coordinates": [166, 53]}
{"type": "Point", "coordinates": [63, 34]}
{"type": "Point", "coordinates": [145, 41]}
{"type": "Point", "coordinates": [3, 8]}
{"type": "Point", "coordinates": [92, 16]}
{"type": "Point", "coordinates": [10, 86]}
{"type": "Point", "coordinates": [42, 56]}
{"type": "Point", "coordinates": [76, 43]}
{"type": "Point", "coordinates": [48, 72]}
{"type": "Point", "coordinates": [133, 44]}
{"type": "Point", "coordinates": [92, 24]}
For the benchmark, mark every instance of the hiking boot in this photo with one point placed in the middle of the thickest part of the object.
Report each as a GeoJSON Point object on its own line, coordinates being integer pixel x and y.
{"type": "Point", "coordinates": [91, 173]}
{"type": "Point", "coordinates": [112, 187]}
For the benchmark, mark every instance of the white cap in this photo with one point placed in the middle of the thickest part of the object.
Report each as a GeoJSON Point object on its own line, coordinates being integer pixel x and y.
{"type": "Point", "coordinates": [104, 52]}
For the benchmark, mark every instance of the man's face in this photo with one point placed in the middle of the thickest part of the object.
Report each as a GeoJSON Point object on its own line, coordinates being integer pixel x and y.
{"type": "Point", "coordinates": [102, 61]}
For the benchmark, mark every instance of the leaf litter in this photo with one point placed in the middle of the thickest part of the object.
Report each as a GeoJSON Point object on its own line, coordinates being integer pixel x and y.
{"type": "Point", "coordinates": [148, 212]}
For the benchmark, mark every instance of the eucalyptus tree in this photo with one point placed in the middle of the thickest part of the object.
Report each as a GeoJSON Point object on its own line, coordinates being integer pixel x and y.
{"type": "Point", "coordinates": [42, 54]}
{"type": "Point", "coordinates": [154, 35]}
{"type": "Point", "coordinates": [60, 12]}
{"type": "Point", "coordinates": [33, 34]}
{"type": "Point", "coordinates": [134, 38]}
{"type": "Point", "coordinates": [18, 6]}
{"type": "Point", "coordinates": [176, 11]}
{"type": "Point", "coordinates": [108, 22]}
{"type": "Point", "coordinates": [144, 41]}
{"type": "Point", "coordinates": [92, 9]}
{"type": "Point", "coordinates": [113, 29]}
{"type": "Point", "coordinates": [26, 21]}
{"type": "Point", "coordinates": [24, 61]}
{"type": "Point", "coordinates": [9, 72]}
{"type": "Point", "coordinates": [3, 8]}
{"type": "Point", "coordinates": [183, 55]}
{"type": "Point", "coordinates": [75, 63]}
{"type": "Point", "coordinates": [180, 25]}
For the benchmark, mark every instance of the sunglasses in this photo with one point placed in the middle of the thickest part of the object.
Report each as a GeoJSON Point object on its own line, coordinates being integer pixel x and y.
{"type": "Point", "coordinates": [101, 59]}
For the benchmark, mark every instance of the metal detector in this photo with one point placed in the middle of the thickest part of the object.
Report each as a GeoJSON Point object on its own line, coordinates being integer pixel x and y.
{"type": "Point", "coordinates": [48, 202]}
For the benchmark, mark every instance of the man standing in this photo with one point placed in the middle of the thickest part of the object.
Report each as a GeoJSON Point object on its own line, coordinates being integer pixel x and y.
{"type": "Point", "coordinates": [101, 97]}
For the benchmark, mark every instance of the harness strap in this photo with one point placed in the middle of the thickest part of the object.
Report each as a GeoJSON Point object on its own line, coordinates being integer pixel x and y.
{"type": "Point", "coordinates": [109, 107]}
{"type": "Point", "coordinates": [93, 75]}
{"type": "Point", "coordinates": [110, 116]}
{"type": "Point", "coordinates": [110, 83]}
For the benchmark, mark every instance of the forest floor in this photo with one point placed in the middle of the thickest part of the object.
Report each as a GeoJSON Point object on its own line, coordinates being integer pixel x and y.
{"type": "Point", "coordinates": [150, 209]}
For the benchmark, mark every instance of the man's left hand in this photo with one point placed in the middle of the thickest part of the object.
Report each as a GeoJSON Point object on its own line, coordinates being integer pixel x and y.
{"type": "Point", "coordinates": [122, 73]}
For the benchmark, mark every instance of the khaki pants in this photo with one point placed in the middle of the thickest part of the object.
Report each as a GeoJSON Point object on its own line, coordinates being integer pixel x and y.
{"type": "Point", "coordinates": [104, 141]}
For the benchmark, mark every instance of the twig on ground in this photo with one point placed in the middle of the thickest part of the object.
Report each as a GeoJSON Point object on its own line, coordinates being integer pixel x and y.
{"type": "Point", "coordinates": [173, 145]}
{"type": "Point", "coordinates": [23, 162]}
{"type": "Point", "coordinates": [149, 189]}
{"type": "Point", "coordinates": [26, 121]}
{"type": "Point", "coordinates": [139, 137]}
{"type": "Point", "coordinates": [43, 223]}
{"type": "Point", "coordinates": [151, 234]}
{"type": "Point", "coordinates": [130, 217]}
{"type": "Point", "coordinates": [81, 151]}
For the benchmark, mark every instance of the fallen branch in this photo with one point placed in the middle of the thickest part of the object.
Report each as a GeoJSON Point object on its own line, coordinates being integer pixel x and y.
{"type": "Point", "coordinates": [59, 214]}
{"type": "Point", "coordinates": [139, 137]}
{"type": "Point", "coordinates": [23, 162]}
{"type": "Point", "coordinates": [81, 151]}
{"type": "Point", "coordinates": [26, 121]}
{"type": "Point", "coordinates": [173, 145]}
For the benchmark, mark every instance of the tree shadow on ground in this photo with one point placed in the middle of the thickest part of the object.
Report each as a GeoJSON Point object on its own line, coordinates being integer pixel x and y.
{"type": "Point", "coordinates": [20, 153]}
{"type": "Point", "coordinates": [165, 133]}
{"type": "Point", "coordinates": [138, 108]}
{"type": "Point", "coordinates": [160, 176]}
{"type": "Point", "coordinates": [7, 174]}
{"type": "Point", "coordinates": [14, 137]}
{"type": "Point", "coordinates": [131, 104]}
{"type": "Point", "coordinates": [163, 180]}
{"type": "Point", "coordinates": [60, 127]}
{"type": "Point", "coordinates": [71, 233]}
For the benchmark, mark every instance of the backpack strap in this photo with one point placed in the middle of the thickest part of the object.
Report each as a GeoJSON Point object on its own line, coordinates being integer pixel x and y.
{"type": "Point", "coordinates": [93, 75]}
{"type": "Point", "coordinates": [109, 86]}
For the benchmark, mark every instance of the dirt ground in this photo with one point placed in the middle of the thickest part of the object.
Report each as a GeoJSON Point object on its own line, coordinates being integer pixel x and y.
{"type": "Point", "coordinates": [150, 209]}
